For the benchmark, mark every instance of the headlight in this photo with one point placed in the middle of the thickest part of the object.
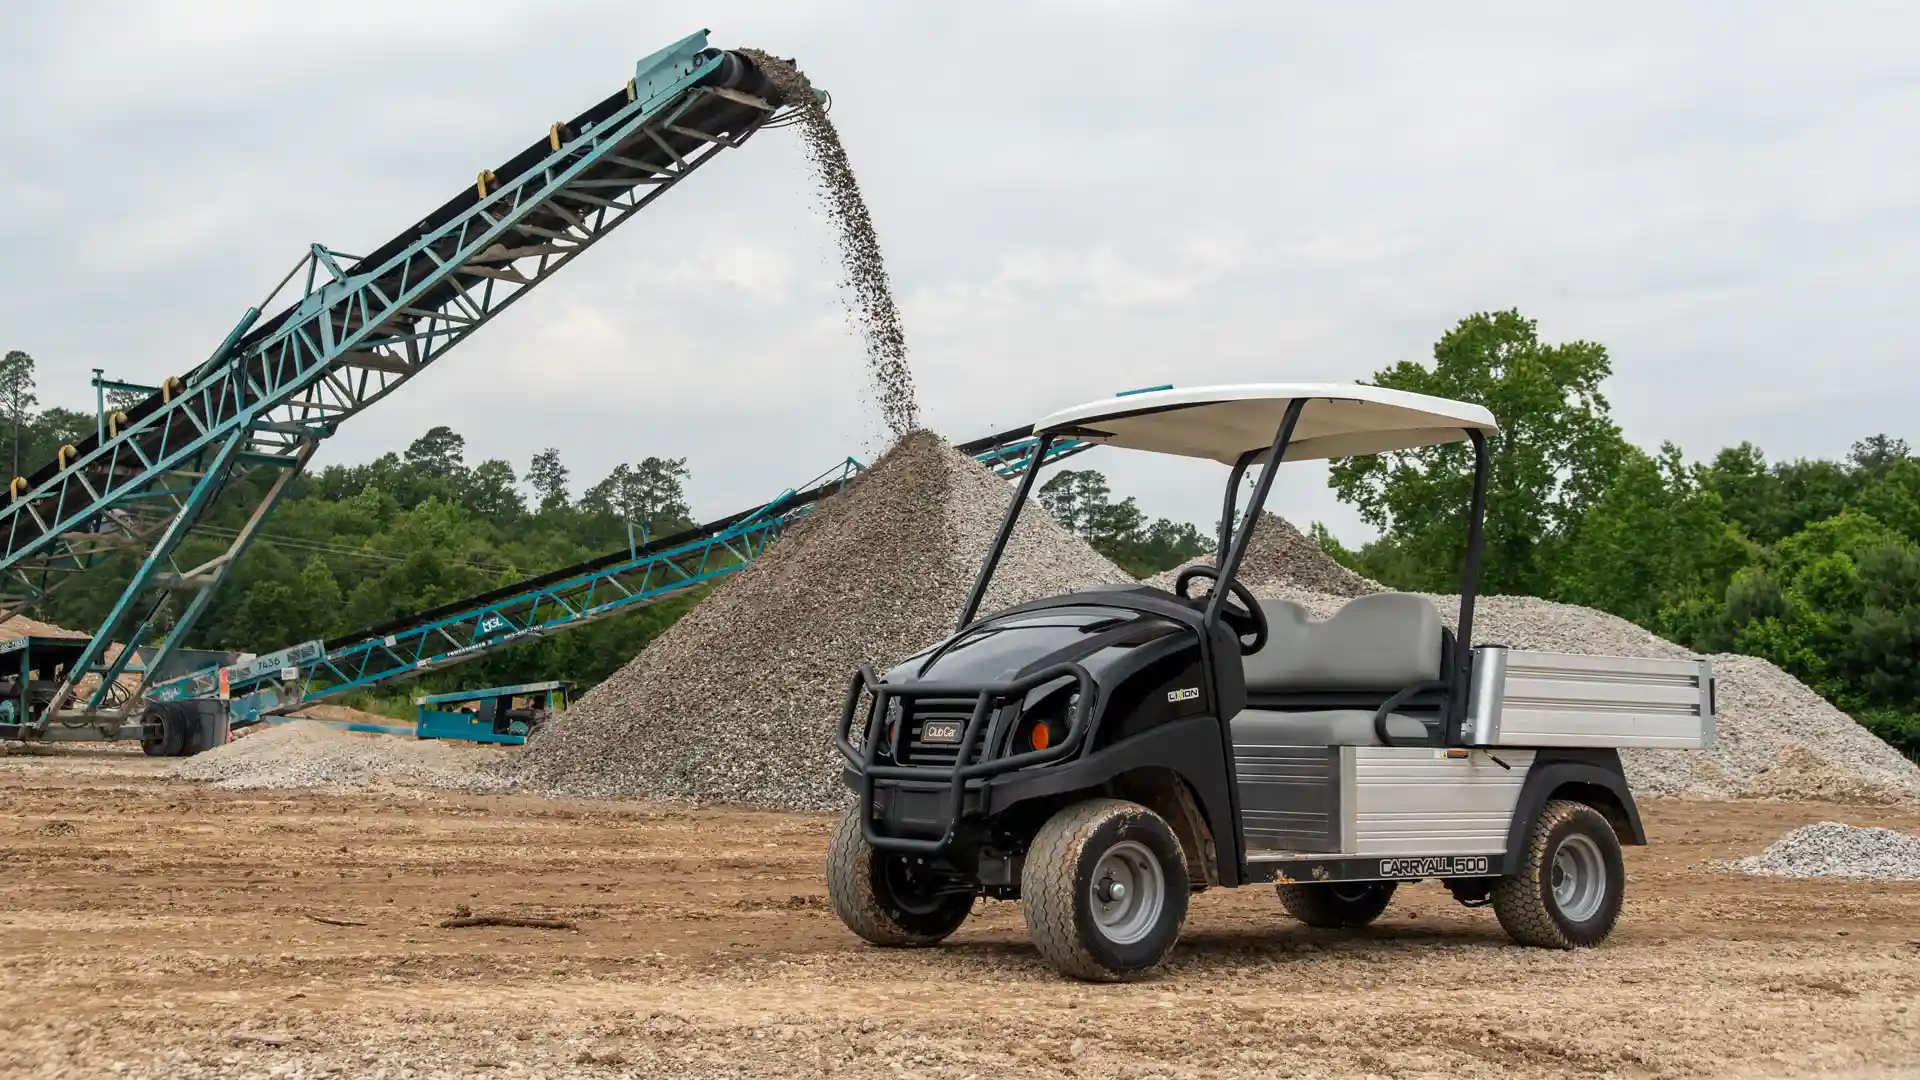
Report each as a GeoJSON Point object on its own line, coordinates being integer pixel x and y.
{"type": "Point", "coordinates": [1047, 724]}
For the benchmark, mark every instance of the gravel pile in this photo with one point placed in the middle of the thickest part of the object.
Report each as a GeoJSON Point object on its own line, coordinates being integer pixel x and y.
{"type": "Point", "coordinates": [866, 282]}
{"type": "Point", "coordinates": [306, 754]}
{"type": "Point", "coordinates": [736, 702]}
{"type": "Point", "coordinates": [1831, 849]}
{"type": "Point", "coordinates": [20, 626]}
{"type": "Point", "coordinates": [1281, 556]}
{"type": "Point", "coordinates": [1775, 738]}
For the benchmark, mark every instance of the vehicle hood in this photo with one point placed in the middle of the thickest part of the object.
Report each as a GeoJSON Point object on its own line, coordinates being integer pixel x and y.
{"type": "Point", "coordinates": [1006, 646]}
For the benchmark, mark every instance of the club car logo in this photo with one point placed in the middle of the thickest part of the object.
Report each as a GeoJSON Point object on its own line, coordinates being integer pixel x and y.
{"type": "Point", "coordinates": [1189, 694]}
{"type": "Point", "coordinates": [1434, 866]}
{"type": "Point", "coordinates": [940, 731]}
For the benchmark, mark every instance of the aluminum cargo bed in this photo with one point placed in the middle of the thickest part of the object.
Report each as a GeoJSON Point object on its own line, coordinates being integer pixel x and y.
{"type": "Point", "coordinates": [1525, 698]}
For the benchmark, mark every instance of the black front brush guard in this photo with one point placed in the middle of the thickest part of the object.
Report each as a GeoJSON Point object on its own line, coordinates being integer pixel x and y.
{"type": "Point", "coordinates": [989, 698]}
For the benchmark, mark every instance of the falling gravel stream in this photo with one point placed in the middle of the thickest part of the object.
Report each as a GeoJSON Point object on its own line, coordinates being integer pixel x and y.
{"type": "Point", "coordinates": [869, 291]}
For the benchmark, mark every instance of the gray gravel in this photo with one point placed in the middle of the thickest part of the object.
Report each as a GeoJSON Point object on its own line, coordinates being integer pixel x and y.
{"type": "Point", "coordinates": [1281, 556]}
{"type": "Point", "coordinates": [866, 281]}
{"type": "Point", "coordinates": [1831, 849]}
{"type": "Point", "coordinates": [306, 754]}
{"type": "Point", "coordinates": [736, 702]}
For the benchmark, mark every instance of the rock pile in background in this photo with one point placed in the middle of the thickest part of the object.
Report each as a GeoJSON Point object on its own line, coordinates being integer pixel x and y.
{"type": "Point", "coordinates": [1831, 849]}
{"type": "Point", "coordinates": [737, 701]}
{"type": "Point", "coordinates": [1281, 556]}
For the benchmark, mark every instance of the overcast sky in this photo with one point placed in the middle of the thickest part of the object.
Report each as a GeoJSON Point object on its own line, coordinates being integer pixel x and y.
{"type": "Point", "coordinates": [1074, 197]}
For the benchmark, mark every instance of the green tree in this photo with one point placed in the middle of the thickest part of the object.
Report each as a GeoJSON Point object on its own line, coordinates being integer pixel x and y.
{"type": "Point", "coordinates": [17, 398]}
{"type": "Point", "coordinates": [439, 453]}
{"type": "Point", "coordinates": [549, 479]}
{"type": "Point", "coordinates": [1076, 498]}
{"type": "Point", "coordinates": [1892, 495]}
{"type": "Point", "coordinates": [1557, 451]}
{"type": "Point", "coordinates": [1874, 455]}
{"type": "Point", "coordinates": [492, 492]}
{"type": "Point", "coordinates": [650, 494]}
{"type": "Point", "coordinates": [1655, 539]}
{"type": "Point", "coordinates": [1081, 501]}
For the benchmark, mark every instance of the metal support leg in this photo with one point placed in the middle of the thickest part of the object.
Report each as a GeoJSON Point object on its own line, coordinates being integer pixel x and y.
{"type": "Point", "coordinates": [90, 661]}
{"type": "Point", "coordinates": [210, 577]}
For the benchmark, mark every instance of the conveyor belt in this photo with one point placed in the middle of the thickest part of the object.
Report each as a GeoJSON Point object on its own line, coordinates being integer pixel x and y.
{"type": "Point", "coordinates": [353, 330]}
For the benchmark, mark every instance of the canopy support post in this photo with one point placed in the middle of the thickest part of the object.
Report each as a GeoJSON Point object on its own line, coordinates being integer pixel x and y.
{"type": "Point", "coordinates": [1231, 564]}
{"type": "Point", "coordinates": [1470, 581]}
{"type": "Point", "coordinates": [1006, 530]}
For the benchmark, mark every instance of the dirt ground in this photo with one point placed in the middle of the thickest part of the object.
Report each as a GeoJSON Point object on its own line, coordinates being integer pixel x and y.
{"type": "Point", "coordinates": [151, 927]}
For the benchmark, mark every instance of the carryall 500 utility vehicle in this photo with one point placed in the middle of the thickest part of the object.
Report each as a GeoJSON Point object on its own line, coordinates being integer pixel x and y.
{"type": "Point", "coordinates": [1102, 755]}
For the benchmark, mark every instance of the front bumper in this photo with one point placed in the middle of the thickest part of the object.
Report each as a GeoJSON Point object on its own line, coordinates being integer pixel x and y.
{"type": "Point", "coordinates": [925, 803]}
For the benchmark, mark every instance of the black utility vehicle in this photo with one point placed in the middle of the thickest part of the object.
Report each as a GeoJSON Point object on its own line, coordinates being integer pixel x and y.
{"type": "Point", "coordinates": [1103, 755]}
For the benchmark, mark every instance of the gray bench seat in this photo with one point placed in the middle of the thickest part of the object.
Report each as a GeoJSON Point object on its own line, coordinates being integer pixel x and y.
{"type": "Point", "coordinates": [1374, 645]}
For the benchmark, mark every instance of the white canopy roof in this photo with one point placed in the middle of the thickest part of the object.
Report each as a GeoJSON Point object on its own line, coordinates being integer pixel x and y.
{"type": "Point", "coordinates": [1223, 422]}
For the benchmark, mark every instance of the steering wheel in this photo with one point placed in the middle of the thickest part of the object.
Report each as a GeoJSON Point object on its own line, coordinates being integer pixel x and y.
{"type": "Point", "coordinates": [1245, 616]}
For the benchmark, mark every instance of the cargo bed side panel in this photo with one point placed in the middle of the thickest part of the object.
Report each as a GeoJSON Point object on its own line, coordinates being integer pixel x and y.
{"type": "Point", "coordinates": [1523, 698]}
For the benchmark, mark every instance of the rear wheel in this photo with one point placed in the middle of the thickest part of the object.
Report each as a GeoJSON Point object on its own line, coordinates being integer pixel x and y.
{"type": "Point", "coordinates": [1568, 891]}
{"type": "Point", "coordinates": [1336, 904]}
{"type": "Point", "coordinates": [888, 899]}
{"type": "Point", "coordinates": [1105, 889]}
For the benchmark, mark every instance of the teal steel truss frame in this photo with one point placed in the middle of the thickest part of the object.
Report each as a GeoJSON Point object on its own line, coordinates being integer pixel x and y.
{"type": "Point", "coordinates": [358, 329]}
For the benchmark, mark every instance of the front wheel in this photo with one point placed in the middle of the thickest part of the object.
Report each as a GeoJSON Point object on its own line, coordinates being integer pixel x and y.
{"type": "Point", "coordinates": [1336, 905]}
{"type": "Point", "coordinates": [886, 898]}
{"type": "Point", "coordinates": [1104, 888]}
{"type": "Point", "coordinates": [1571, 881]}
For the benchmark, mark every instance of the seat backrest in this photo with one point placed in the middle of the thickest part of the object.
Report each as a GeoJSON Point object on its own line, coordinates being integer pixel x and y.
{"type": "Point", "coordinates": [1383, 641]}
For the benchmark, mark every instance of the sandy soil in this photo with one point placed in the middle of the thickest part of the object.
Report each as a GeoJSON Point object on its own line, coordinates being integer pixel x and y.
{"type": "Point", "coordinates": [149, 927]}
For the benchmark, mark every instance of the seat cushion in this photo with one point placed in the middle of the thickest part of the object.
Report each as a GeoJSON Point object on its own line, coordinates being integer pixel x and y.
{"type": "Point", "coordinates": [1383, 642]}
{"type": "Point", "coordinates": [1326, 727]}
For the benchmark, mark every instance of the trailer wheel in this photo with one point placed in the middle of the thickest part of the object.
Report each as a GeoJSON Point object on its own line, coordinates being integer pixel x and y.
{"type": "Point", "coordinates": [163, 730]}
{"type": "Point", "coordinates": [1571, 881]}
{"type": "Point", "coordinates": [885, 898]}
{"type": "Point", "coordinates": [153, 732]}
{"type": "Point", "coordinates": [1337, 904]}
{"type": "Point", "coordinates": [1105, 890]}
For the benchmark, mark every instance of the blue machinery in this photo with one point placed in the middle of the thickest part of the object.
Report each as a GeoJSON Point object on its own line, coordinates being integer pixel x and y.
{"type": "Point", "coordinates": [344, 332]}
{"type": "Point", "coordinates": [499, 714]}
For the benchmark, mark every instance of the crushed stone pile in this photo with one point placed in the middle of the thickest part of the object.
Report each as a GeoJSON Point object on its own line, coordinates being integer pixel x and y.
{"type": "Point", "coordinates": [1281, 557]}
{"type": "Point", "coordinates": [1831, 849]}
{"type": "Point", "coordinates": [20, 626]}
{"type": "Point", "coordinates": [866, 283]}
{"type": "Point", "coordinates": [305, 754]}
{"type": "Point", "coordinates": [737, 701]}
{"type": "Point", "coordinates": [1775, 738]}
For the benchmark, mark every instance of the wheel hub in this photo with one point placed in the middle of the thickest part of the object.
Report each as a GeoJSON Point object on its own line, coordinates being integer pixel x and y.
{"type": "Point", "coordinates": [1579, 878]}
{"type": "Point", "coordinates": [1127, 892]}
